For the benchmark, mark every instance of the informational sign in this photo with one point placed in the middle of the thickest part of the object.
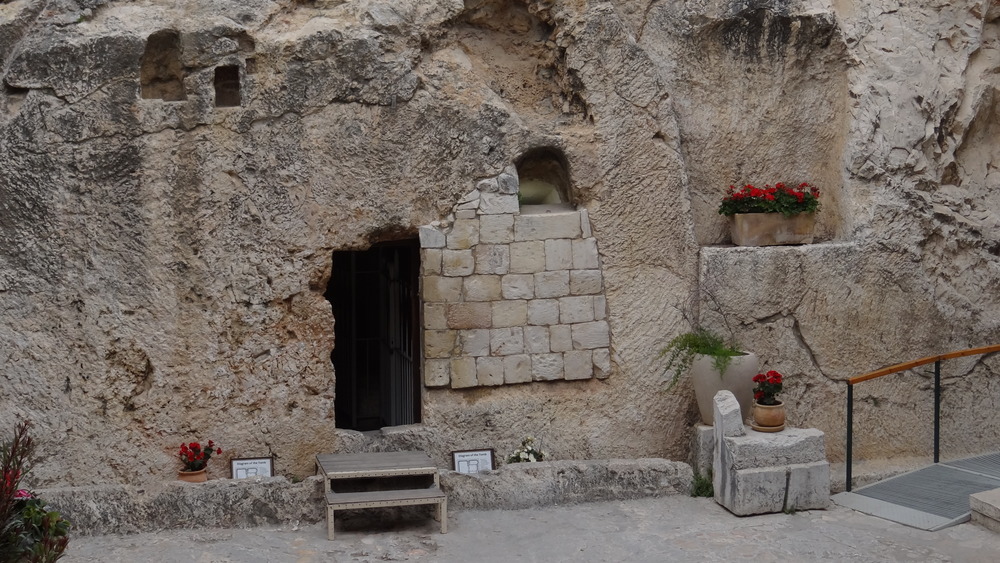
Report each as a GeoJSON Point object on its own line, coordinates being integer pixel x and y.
{"type": "Point", "coordinates": [473, 461]}
{"type": "Point", "coordinates": [247, 467]}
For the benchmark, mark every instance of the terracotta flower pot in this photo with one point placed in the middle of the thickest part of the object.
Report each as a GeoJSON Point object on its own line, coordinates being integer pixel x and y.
{"type": "Point", "coordinates": [768, 416]}
{"type": "Point", "coordinates": [738, 379]}
{"type": "Point", "coordinates": [193, 476]}
{"type": "Point", "coordinates": [769, 229]}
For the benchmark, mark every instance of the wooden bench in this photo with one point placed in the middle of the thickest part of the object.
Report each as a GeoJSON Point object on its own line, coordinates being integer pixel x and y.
{"type": "Point", "coordinates": [383, 466]}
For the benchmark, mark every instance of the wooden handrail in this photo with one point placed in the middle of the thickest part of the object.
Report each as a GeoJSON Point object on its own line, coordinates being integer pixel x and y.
{"type": "Point", "coordinates": [923, 361]}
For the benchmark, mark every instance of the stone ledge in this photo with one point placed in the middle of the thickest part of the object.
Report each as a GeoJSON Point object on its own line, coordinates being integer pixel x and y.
{"type": "Point", "coordinates": [227, 503]}
{"type": "Point", "coordinates": [790, 446]}
{"type": "Point", "coordinates": [985, 507]}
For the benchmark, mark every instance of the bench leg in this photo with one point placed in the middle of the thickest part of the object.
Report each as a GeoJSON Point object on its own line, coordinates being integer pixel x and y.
{"type": "Point", "coordinates": [329, 523]}
{"type": "Point", "coordinates": [443, 515]}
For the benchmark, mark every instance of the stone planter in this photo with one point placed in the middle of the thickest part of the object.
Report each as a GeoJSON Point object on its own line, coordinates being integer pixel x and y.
{"type": "Point", "coordinates": [769, 229]}
{"type": "Point", "coordinates": [738, 379]}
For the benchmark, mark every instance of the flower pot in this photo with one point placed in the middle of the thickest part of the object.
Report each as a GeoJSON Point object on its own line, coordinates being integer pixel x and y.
{"type": "Point", "coordinates": [738, 379]}
{"type": "Point", "coordinates": [193, 476]}
{"type": "Point", "coordinates": [768, 418]}
{"type": "Point", "coordinates": [769, 229]}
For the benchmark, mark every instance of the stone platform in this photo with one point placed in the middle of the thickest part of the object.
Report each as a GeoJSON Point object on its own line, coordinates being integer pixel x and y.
{"type": "Point", "coordinates": [757, 473]}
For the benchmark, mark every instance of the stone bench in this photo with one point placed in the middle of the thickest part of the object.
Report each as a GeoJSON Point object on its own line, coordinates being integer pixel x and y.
{"type": "Point", "coordinates": [757, 472]}
{"type": "Point", "coordinates": [379, 499]}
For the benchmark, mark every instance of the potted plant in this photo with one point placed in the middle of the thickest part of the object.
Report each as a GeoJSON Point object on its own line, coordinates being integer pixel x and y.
{"type": "Point", "coordinates": [714, 366]}
{"type": "Point", "coordinates": [195, 458]}
{"type": "Point", "coordinates": [768, 410]}
{"type": "Point", "coordinates": [771, 215]}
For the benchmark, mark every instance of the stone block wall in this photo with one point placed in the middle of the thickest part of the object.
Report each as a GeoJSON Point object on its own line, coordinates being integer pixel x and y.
{"type": "Point", "coordinates": [511, 297]}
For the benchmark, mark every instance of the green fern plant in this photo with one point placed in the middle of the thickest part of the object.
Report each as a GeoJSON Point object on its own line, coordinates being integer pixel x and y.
{"type": "Point", "coordinates": [682, 349]}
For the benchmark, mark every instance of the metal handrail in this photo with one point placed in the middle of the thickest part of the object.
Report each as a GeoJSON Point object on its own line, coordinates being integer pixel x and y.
{"type": "Point", "coordinates": [936, 360]}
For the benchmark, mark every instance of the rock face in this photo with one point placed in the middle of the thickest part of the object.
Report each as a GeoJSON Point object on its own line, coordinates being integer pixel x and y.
{"type": "Point", "coordinates": [175, 177]}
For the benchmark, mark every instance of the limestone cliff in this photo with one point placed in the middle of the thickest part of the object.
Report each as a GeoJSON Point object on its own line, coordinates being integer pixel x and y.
{"type": "Point", "coordinates": [175, 176]}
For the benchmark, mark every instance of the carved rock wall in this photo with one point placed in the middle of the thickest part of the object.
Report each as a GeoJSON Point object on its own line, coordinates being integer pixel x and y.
{"type": "Point", "coordinates": [163, 261]}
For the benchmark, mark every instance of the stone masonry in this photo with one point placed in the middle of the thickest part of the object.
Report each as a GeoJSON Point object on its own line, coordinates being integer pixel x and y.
{"type": "Point", "coordinates": [757, 472]}
{"type": "Point", "coordinates": [511, 297]}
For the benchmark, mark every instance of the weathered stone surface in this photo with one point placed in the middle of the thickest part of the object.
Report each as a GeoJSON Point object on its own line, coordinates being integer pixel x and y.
{"type": "Point", "coordinates": [578, 364]}
{"type": "Point", "coordinates": [481, 288]}
{"type": "Point", "coordinates": [506, 341]}
{"type": "Point", "coordinates": [489, 371]}
{"type": "Point", "coordinates": [527, 257]}
{"type": "Point", "coordinates": [576, 310]}
{"type": "Point", "coordinates": [492, 259]}
{"type": "Point", "coordinates": [546, 367]}
{"type": "Point", "coordinates": [457, 262]}
{"type": "Point", "coordinates": [558, 254]}
{"type": "Point", "coordinates": [552, 284]}
{"type": "Point", "coordinates": [543, 311]}
{"type": "Point", "coordinates": [464, 373]}
{"type": "Point", "coordinates": [510, 313]}
{"type": "Point", "coordinates": [474, 342]}
{"type": "Point", "coordinates": [173, 250]}
{"type": "Point", "coordinates": [496, 229]}
{"type": "Point", "coordinates": [517, 286]}
{"type": "Point", "coordinates": [516, 368]}
{"type": "Point", "coordinates": [437, 373]}
{"type": "Point", "coordinates": [587, 336]}
{"type": "Point", "coordinates": [564, 225]}
{"type": "Point", "coordinates": [470, 315]}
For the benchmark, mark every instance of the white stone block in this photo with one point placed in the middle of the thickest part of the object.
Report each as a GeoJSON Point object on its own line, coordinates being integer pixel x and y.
{"type": "Point", "coordinates": [547, 225]}
{"type": "Point", "coordinates": [527, 257]}
{"type": "Point", "coordinates": [516, 369]}
{"type": "Point", "coordinates": [518, 286]}
{"type": "Point", "coordinates": [492, 258]}
{"type": "Point", "coordinates": [489, 371]}
{"type": "Point", "coordinates": [471, 197]}
{"type": "Point", "coordinates": [561, 338]}
{"type": "Point", "coordinates": [585, 255]}
{"type": "Point", "coordinates": [576, 309]}
{"type": "Point", "coordinates": [439, 343]}
{"type": "Point", "coordinates": [790, 446]}
{"type": "Point", "coordinates": [465, 214]}
{"type": "Point", "coordinates": [481, 288]}
{"type": "Point", "coordinates": [437, 373]}
{"type": "Point", "coordinates": [546, 367]}
{"type": "Point", "coordinates": [552, 284]}
{"type": "Point", "coordinates": [587, 336]}
{"type": "Point", "coordinates": [496, 229]}
{"type": "Point", "coordinates": [474, 342]}
{"type": "Point", "coordinates": [585, 229]}
{"type": "Point", "coordinates": [602, 363]}
{"type": "Point", "coordinates": [600, 308]}
{"type": "Point", "coordinates": [510, 313]}
{"type": "Point", "coordinates": [430, 262]}
{"type": "Point", "coordinates": [585, 282]}
{"type": "Point", "coordinates": [464, 234]}
{"type": "Point", "coordinates": [543, 312]}
{"type": "Point", "coordinates": [494, 204]}
{"type": "Point", "coordinates": [488, 186]}
{"type": "Point", "coordinates": [434, 316]}
{"type": "Point", "coordinates": [578, 364]}
{"type": "Point", "coordinates": [702, 449]}
{"type": "Point", "coordinates": [439, 289]}
{"type": "Point", "coordinates": [506, 341]}
{"type": "Point", "coordinates": [536, 340]}
{"type": "Point", "coordinates": [463, 373]}
{"type": "Point", "coordinates": [469, 315]}
{"type": "Point", "coordinates": [751, 491]}
{"type": "Point", "coordinates": [430, 237]}
{"type": "Point", "coordinates": [558, 254]}
{"type": "Point", "coordinates": [507, 181]}
{"type": "Point", "coordinates": [808, 486]}
{"type": "Point", "coordinates": [727, 416]}
{"type": "Point", "coordinates": [456, 263]}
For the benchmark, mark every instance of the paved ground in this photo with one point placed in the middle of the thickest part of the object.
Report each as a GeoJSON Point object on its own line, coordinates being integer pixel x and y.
{"type": "Point", "coordinates": [665, 529]}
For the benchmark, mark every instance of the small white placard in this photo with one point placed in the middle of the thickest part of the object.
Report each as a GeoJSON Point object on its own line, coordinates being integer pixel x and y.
{"type": "Point", "coordinates": [472, 461]}
{"type": "Point", "coordinates": [245, 468]}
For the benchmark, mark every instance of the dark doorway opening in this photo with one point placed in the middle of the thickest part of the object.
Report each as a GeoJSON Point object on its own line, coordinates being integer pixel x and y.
{"type": "Point", "coordinates": [376, 353]}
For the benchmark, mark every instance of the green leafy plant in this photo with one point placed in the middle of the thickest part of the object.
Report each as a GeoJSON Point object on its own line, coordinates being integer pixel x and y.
{"type": "Point", "coordinates": [29, 532]}
{"type": "Point", "coordinates": [682, 349]}
{"type": "Point", "coordinates": [702, 486]}
{"type": "Point", "coordinates": [777, 199]}
{"type": "Point", "coordinates": [527, 452]}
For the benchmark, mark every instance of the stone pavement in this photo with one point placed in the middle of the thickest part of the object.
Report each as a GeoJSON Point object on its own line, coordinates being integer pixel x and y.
{"type": "Point", "coordinates": [674, 528]}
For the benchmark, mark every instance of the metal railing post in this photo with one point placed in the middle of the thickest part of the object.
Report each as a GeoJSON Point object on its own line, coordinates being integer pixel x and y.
{"type": "Point", "coordinates": [937, 411]}
{"type": "Point", "coordinates": [850, 433]}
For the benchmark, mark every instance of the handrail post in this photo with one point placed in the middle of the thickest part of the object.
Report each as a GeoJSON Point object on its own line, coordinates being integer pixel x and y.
{"type": "Point", "coordinates": [850, 433]}
{"type": "Point", "coordinates": [937, 411]}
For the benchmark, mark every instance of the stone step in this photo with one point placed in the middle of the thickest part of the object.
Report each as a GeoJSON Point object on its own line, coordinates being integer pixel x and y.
{"type": "Point", "coordinates": [986, 509]}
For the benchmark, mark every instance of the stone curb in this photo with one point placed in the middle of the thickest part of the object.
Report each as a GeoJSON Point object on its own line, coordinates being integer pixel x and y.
{"type": "Point", "coordinates": [227, 503]}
